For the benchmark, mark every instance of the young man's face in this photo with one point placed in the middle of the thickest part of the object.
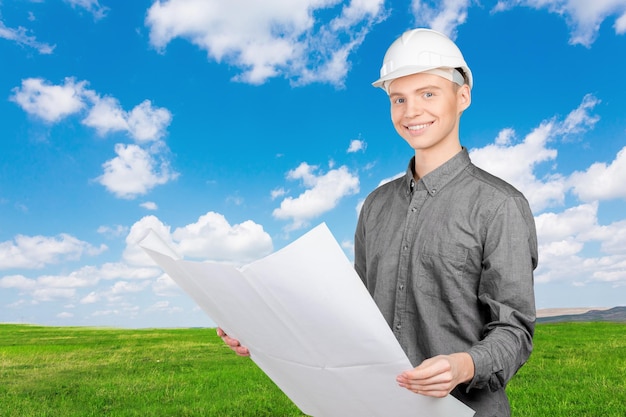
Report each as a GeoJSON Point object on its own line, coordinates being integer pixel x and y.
{"type": "Point", "coordinates": [425, 110]}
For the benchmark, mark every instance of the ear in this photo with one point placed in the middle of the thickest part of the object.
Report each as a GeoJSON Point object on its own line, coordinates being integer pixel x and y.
{"type": "Point", "coordinates": [464, 97]}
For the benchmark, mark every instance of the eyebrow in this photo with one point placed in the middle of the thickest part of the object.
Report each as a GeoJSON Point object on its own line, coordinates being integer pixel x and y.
{"type": "Point", "coordinates": [418, 90]}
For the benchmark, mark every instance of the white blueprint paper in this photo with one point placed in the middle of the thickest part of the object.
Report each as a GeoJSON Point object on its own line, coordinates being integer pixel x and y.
{"type": "Point", "coordinates": [310, 325]}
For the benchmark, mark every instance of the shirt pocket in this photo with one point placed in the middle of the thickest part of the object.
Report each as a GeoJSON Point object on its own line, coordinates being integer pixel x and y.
{"type": "Point", "coordinates": [442, 271]}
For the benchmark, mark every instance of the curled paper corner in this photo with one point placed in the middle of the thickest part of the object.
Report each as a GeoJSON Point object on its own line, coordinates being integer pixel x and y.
{"type": "Point", "coordinates": [155, 243]}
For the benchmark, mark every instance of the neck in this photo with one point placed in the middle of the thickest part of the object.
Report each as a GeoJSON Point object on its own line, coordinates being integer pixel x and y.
{"type": "Point", "coordinates": [427, 160]}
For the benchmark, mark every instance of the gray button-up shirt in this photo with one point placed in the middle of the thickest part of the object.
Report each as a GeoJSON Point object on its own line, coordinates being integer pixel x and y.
{"type": "Point", "coordinates": [449, 261]}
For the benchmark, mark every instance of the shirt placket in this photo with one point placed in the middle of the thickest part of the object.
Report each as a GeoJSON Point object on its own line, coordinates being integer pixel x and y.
{"type": "Point", "coordinates": [407, 248]}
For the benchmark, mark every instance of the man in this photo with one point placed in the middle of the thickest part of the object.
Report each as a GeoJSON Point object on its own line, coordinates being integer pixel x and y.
{"type": "Point", "coordinates": [447, 251]}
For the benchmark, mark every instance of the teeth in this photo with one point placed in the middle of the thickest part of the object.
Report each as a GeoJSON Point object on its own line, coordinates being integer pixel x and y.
{"type": "Point", "coordinates": [418, 127]}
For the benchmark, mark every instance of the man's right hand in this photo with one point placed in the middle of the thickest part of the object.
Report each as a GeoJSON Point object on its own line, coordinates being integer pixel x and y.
{"type": "Point", "coordinates": [233, 343]}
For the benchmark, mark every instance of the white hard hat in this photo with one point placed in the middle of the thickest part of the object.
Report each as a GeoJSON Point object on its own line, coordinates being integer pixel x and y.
{"type": "Point", "coordinates": [422, 50]}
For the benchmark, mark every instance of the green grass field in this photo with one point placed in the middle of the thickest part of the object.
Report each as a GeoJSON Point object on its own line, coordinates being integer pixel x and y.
{"type": "Point", "coordinates": [577, 369]}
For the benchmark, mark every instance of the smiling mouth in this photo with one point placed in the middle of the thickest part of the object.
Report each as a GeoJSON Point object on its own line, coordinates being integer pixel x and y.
{"type": "Point", "coordinates": [416, 128]}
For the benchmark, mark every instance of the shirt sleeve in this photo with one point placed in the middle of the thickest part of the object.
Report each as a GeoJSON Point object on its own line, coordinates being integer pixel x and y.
{"type": "Point", "coordinates": [359, 246]}
{"type": "Point", "coordinates": [506, 295]}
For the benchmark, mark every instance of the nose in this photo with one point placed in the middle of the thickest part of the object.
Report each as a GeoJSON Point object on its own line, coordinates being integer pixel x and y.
{"type": "Point", "coordinates": [413, 108]}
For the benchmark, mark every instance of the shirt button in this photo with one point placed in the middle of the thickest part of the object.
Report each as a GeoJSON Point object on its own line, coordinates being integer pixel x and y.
{"type": "Point", "coordinates": [398, 326]}
{"type": "Point", "coordinates": [401, 287]}
{"type": "Point", "coordinates": [405, 247]}
{"type": "Point", "coordinates": [413, 209]}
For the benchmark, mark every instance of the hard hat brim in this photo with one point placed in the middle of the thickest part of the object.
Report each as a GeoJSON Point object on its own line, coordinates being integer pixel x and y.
{"type": "Point", "coordinates": [403, 72]}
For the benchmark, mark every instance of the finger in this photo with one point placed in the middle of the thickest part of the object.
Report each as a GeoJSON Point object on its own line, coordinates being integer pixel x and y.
{"type": "Point", "coordinates": [440, 393]}
{"type": "Point", "coordinates": [435, 383]}
{"type": "Point", "coordinates": [242, 351]}
{"type": "Point", "coordinates": [233, 343]}
{"type": "Point", "coordinates": [430, 368]}
{"type": "Point", "coordinates": [435, 390]}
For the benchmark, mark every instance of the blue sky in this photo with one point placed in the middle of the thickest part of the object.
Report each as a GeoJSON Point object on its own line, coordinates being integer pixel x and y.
{"type": "Point", "coordinates": [232, 128]}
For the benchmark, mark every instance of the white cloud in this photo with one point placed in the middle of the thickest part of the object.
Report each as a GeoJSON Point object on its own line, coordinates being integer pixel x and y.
{"type": "Point", "coordinates": [21, 37]}
{"type": "Point", "coordinates": [389, 179]}
{"type": "Point", "coordinates": [165, 286]}
{"type": "Point", "coordinates": [127, 311]}
{"type": "Point", "coordinates": [568, 247]}
{"type": "Point", "coordinates": [356, 145]}
{"type": "Point", "coordinates": [106, 115]}
{"type": "Point", "coordinates": [516, 162]}
{"type": "Point", "coordinates": [143, 123]}
{"type": "Point", "coordinates": [122, 270]}
{"type": "Point", "coordinates": [66, 286]}
{"type": "Point", "coordinates": [213, 238]}
{"type": "Point", "coordinates": [583, 17]}
{"type": "Point", "coordinates": [105, 313]}
{"type": "Point", "coordinates": [444, 17]}
{"type": "Point", "coordinates": [164, 306]}
{"type": "Point", "coordinates": [90, 298]}
{"type": "Point", "coordinates": [505, 137]}
{"type": "Point", "coordinates": [580, 119]}
{"type": "Point", "coordinates": [92, 6]}
{"type": "Point", "coordinates": [601, 181]}
{"type": "Point", "coordinates": [614, 239]}
{"type": "Point", "coordinates": [53, 294]}
{"type": "Point", "coordinates": [84, 277]}
{"type": "Point", "coordinates": [270, 38]}
{"type": "Point", "coordinates": [116, 292]}
{"type": "Point", "coordinates": [574, 221]}
{"type": "Point", "coordinates": [133, 254]}
{"type": "Point", "coordinates": [620, 25]}
{"type": "Point", "coordinates": [50, 102]}
{"type": "Point", "coordinates": [38, 251]}
{"type": "Point", "coordinates": [113, 231]}
{"type": "Point", "coordinates": [278, 192]}
{"type": "Point", "coordinates": [566, 262]}
{"type": "Point", "coordinates": [323, 193]}
{"type": "Point", "coordinates": [210, 238]}
{"type": "Point", "coordinates": [149, 205]}
{"type": "Point", "coordinates": [235, 199]}
{"type": "Point", "coordinates": [615, 275]}
{"type": "Point", "coordinates": [18, 282]}
{"type": "Point", "coordinates": [564, 240]}
{"type": "Point", "coordinates": [348, 246]}
{"type": "Point", "coordinates": [125, 287]}
{"type": "Point", "coordinates": [134, 171]}
{"type": "Point", "coordinates": [146, 123]}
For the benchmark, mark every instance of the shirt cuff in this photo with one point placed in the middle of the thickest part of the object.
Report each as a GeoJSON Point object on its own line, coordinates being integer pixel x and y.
{"type": "Point", "coordinates": [484, 374]}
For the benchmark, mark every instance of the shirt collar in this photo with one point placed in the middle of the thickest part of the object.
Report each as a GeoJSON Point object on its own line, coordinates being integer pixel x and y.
{"type": "Point", "coordinates": [437, 179]}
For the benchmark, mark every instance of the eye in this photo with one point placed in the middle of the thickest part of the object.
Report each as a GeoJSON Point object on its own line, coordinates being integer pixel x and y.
{"type": "Point", "coordinates": [398, 100]}
{"type": "Point", "coordinates": [428, 94]}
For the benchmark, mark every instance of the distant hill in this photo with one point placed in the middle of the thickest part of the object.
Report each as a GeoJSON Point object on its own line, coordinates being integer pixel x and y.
{"type": "Point", "coordinates": [615, 314]}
